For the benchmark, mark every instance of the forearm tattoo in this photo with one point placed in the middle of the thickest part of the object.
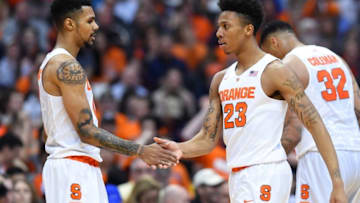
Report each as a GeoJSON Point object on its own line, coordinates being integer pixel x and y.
{"type": "Point", "coordinates": [211, 120]}
{"type": "Point", "coordinates": [71, 72]}
{"type": "Point", "coordinates": [104, 138]}
{"type": "Point", "coordinates": [291, 127]}
{"type": "Point", "coordinates": [336, 173]}
{"type": "Point", "coordinates": [300, 104]}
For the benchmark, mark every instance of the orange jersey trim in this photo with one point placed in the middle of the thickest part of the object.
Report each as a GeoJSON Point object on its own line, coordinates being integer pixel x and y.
{"type": "Point", "coordinates": [237, 169]}
{"type": "Point", "coordinates": [85, 159]}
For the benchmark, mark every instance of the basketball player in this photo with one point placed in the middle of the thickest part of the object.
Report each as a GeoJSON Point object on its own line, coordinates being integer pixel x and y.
{"type": "Point", "coordinates": [71, 172]}
{"type": "Point", "coordinates": [334, 92]}
{"type": "Point", "coordinates": [248, 103]}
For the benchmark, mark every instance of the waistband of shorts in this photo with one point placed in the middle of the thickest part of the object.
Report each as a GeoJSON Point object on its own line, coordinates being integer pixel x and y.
{"type": "Point", "coordinates": [84, 159]}
{"type": "Point", "coordinates": [238, 169]}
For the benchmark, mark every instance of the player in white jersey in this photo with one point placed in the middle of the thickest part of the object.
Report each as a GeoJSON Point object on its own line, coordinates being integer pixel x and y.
{"type": "Point", "coordinates": [334, 92]}
{"type": "Point", "coordinates": [247, 104]}
{"type": "Point", "coordinates": [71, 172]}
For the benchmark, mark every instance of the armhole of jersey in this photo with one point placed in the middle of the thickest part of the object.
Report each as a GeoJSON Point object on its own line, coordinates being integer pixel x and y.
{"type": "Point", "coordinates": [227, 71]}
{"type": "Point", "coordinates": [42, 80]}
{"type": "Point", "coordinates": [42, 73]}
{"type": "Point", "coordinates": [310, 76]}
{"type": "Point", "coordinates": [260, 84]}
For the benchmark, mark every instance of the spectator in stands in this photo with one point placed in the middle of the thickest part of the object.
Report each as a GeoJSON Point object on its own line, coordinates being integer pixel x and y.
{"type": "Point", "coordinates": [206, 181]}
{"type": "Point", "coordinates": [137, 170]}
{"type": "Point", "coordinates": [24, 192]}
{"type": "Point", "coordinates": [10, 146]}
{"type": "Point", "coordinates": [146, 190]}
{"type": "Point", "coordinates": [174, 194]}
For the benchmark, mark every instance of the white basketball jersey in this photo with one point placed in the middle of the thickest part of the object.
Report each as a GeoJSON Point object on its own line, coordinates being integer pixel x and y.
{"type": "Point", "coordinates": [252, 121]}
{"type": "Point", "coordinates": [330, 89]}
{"type": "Point", "coordinates": [63, 140]}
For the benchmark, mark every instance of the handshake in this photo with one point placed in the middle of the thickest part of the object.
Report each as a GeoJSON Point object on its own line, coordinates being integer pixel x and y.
{"type": "Point", "coordinates": [161, 154]}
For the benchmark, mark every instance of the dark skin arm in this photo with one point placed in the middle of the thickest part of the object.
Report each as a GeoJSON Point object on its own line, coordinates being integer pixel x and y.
{"type": "Point", "coordinates": [356, 96]}
{"type": "Point", "coordinates": [357, 99]}
{"type": "Point", "coordinates": [204, 141]}
{"type": "Point", "coordinates": [292, 131]}
{"type": "Point", "coordinates": [43, 135]}
{"type": "Point", "coordinates": [282, 79]}
{"type": "Point", "coordinates": [67, 75]}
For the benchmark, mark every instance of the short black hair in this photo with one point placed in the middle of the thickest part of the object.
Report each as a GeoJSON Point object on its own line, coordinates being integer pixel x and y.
{"type": "Point", "coordinates": [252, 10]}
{"type": "Point", "coordinates": [10, 140]}
{"type": "Point", "coordinates": [3, 191]}
{"type": "Point", "coordinates": [61, 9]}
{"type": "Point", "coordinates": [14, 170]}
{"type": "Point", "coordinates": [274, 26]}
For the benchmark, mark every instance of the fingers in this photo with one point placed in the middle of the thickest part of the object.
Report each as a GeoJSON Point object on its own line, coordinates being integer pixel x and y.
{"type": "Point", "coordinates": [160, 166]}
{"type": "Point", "coordinates": [168, 156]}
{"type": "Point", "coordinates": [160, 141]}
{"type": "Point", "coordinates": [156, 156]}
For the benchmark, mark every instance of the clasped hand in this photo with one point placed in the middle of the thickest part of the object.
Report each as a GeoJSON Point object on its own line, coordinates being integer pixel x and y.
{"type": "Point", "coordinates": [161, 154]}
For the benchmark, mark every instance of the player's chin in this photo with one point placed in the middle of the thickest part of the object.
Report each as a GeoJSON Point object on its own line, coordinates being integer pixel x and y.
{"type": "Point", "coordinates": [90, 42]}
{"type": "Point", "coordinates": [227, 51]}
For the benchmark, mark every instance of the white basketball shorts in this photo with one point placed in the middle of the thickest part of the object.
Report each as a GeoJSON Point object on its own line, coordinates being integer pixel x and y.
{"type": "Point", "coordinates": [71, 181]}
{"type": "Point", "coordinates": [313, 183]}
{"type": "Point", "coordinates": [270, 182]}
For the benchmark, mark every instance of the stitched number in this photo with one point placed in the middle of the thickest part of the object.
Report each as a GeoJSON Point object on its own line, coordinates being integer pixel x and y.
{"type": "Point", "coordinates": [229, 109]}
{"type": "Point", "coordinates": [336, 73]}
{"type": "Point", "coordinates": [330, 93]}
{"type": "Point", "coordinates": [265, 192]}
{"type": "Point", "coordinates": [241, 107]}
{"type": "Point", "coordinates": [75, 191]}
{"type": "Point", "coordinates": [240, 121]}
{"type": "Point", "coordinates": [305, 191]}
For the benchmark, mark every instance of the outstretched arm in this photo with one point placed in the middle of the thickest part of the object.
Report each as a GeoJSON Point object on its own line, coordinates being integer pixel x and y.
{"type": "Point", "coordinates": [205, 140]}
{"type": "Point", "coordinates": [71, 79]}
{"type": "Point", "coordinates": [292, 131]}
{"type": "Point", "coordinates": [286, 81]}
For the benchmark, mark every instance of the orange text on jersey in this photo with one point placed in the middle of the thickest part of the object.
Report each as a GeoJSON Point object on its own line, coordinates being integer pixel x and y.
{"type": "Point", "coordinates": [322, 60]}
{"type": "Point", "coordinates": [237, 93]}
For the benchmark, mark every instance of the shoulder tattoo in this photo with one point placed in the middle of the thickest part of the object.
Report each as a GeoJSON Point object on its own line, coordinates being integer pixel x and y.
{"type": "Point", "coordinates": [71, 72]}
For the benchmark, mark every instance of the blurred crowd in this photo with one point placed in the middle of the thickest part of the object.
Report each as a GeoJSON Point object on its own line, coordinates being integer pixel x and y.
{"type": "Point", "coordinates": [150, 69]}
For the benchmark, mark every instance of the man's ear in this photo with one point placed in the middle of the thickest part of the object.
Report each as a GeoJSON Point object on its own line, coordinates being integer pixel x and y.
{"type": "Point", "coordinates": [274, 42]}
{"type": "Point", "coordinates": [69, 24]}
{"type": "Point", "coordinates": [249, 30]}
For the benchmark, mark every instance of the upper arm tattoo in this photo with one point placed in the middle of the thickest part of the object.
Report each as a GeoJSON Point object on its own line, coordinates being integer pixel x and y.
{"type": "Point", "coordinates": [211, 119]}
{"type": "Point", "coordinates": [300, 103]}
{"type": "Point", "coordinates": [71, 72]}
{"type": "Point", "coordinates": [103, 137]}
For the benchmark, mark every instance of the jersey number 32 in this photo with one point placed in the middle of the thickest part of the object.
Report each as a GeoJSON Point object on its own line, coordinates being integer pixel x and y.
{"type": "Point", "coordinates": [331, 92]}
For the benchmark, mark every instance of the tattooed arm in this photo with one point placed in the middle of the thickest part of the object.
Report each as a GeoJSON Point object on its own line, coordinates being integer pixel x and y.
{"type": "Point", "coordinates": [70, 79]}
{"type": "Point", "coordinates": [356, 93]}
{"type": "Point", "coordinates": [292, 131]}
{"type": "Point", "coordinates": [356, 98]}
{"type": "Point", "coordinates": [204, 141]}
{"type": "Point", "coordinates": [287, 83]}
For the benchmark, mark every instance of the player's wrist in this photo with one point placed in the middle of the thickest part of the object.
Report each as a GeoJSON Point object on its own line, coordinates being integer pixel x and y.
{"type": "Point", "coordinates": [140, 150]}
{"type": "Point", "coordinates": [337, 182]}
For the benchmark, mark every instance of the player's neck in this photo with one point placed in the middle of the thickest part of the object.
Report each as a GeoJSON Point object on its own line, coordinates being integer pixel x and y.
{"type": "Point", "coordinates": [293, 43]}
{"type": "Point", "coordinates": [249, 56]}
{"type": "Point", "coordinates": [296, 44]}
{"type": "Point", "coordinates": [67, 44]}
